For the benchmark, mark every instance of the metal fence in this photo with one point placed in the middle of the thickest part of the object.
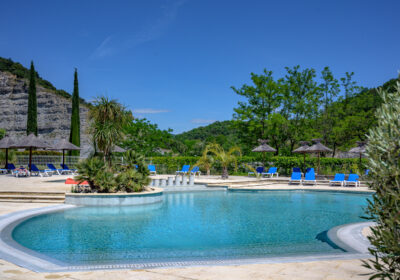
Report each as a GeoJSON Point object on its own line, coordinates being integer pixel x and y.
{"type": "Point", "coordinates": [43, 160]}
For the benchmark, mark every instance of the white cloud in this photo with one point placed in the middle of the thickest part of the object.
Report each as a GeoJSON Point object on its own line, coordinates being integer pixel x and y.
{"type": "Point", "coordinates": [202, 121]}
{"type": "Point", "coordinates": [149, 111]}
{"type": "Point", "coordinates": [149, 32]}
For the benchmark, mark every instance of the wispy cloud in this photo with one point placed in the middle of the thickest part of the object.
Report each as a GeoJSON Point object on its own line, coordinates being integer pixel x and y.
{"type": "Point", "coordinates": [149, 111]}
{"type": "Point", "coordinates": [116, 43]}
{"type": "Point", "coordinates": [202, 121]}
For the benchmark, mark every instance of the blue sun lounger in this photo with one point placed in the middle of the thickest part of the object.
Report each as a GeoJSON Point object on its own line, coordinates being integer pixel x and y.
{"type": "Point", "coordinates": [271, 172]}
{"type": "Point", "coordinates": [310, 178]}
{"type": "Point", "coordinates": [259, 170]}
{"type": "Point", "coordinates": [339, 179]}
{"type": "Point", "coordinates": [10, 167]}
{"type": "Point", "coordinates": [295, 178]}
{"type": "Point", "coordinates": [67, 168]}
{"type": "Point", "coordinates": [195, 171]}
{"type": "Point", "coordinates": [55, 170]}
{"type": "Point", "coordinates": [352, 180]}
{"type": "Point", "coordinates": [184, 170]}
{"type": "Point", "coordinates": [152, 169]}
{"type": "Point", "coordinates": [39, 172]}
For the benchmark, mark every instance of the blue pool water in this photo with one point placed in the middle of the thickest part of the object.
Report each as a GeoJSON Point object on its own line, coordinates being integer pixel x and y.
{"type": "Point", "coordinates": [192, 226]}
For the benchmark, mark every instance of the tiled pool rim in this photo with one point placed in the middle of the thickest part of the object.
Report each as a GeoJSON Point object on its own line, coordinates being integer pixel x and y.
{"type": "Point", "coordinates": [115, 199]}
{"type": "Point", "coordinates": [347, 237]}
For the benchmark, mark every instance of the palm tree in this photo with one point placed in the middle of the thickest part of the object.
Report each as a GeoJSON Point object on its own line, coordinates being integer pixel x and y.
{"type": "Point", "coordinates": [205, 161]}
{"type": "Point", "coordinates": [225, 158]}
{"type": "Point", "coordinates": [107, 119]}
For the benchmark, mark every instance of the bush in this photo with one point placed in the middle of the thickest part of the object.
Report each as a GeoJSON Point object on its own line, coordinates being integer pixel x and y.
{"type": "Point", "coordinates": [329, 166]}
{"type": "Point", "coordinates": [383, 161]}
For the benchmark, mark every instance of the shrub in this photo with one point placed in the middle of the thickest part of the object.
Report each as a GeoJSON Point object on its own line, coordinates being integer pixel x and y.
{"type": "Point", "coordinates": [383, 160]}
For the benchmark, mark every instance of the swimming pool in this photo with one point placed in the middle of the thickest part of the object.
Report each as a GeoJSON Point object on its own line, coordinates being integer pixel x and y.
{"type": "Point", "coordinates": [194, 226]}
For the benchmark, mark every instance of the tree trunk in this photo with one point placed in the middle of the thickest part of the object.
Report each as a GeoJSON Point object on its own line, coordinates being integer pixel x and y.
{"type": "Point", "coordinates": [225, 172]}
{"type": "Point", "coordinates": [208, 172]}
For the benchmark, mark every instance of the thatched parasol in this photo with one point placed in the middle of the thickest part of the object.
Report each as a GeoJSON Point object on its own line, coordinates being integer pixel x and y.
{"type": "Point", "coordinates": [303, 149]}
{"type": "Point", "coordinates": [264, 148]}
{"type": "Point", "coordinates": [64, 145]}
{"type": "Point", "coordinates": [360, 149]}
{"type": "Point", "coordinates": [6, 143]}
{"type": "Point", "coordinates": [318, 147]}
{"type": "Point", "coordinates": [30, 142]}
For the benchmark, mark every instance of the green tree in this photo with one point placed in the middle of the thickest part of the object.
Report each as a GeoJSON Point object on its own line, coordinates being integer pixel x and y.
{"type": "Point", "coordinates": [205, 161]}
{"type": "Point", "coordinates": [31, 124]}
{"type": "Point", "coordinates": [301, 102]}
{"type": "Point", "coordinates": [330, 90]}
{"type": "Point", "coordinates": [146, 137]}
{"type": "Point", "coordinates": [225, 158]}
{"type": "Point", "coordinates": [2, 133]}
{"type": "Point", "coordinates": [75, 132]}
{"type": "Point", "coordinates": [383, 160]}
{"type": "Point", "coordinates": [107, 119]}
{"type": "Point", "coordinates": [262, 99]}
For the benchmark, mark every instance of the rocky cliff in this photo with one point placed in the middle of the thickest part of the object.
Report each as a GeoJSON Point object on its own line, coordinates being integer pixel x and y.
{"type": "Point", "coordinates": [54, 111]}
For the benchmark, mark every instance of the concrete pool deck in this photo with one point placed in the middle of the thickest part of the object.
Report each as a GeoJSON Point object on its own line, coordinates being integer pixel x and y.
{"type": "Point", "coordinates": [324, 269]}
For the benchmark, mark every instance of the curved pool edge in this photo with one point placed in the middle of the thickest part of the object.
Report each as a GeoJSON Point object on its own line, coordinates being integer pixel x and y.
{"type": "Point", "coordinates": [343, 236]}
{"type": "Point", "coordinates": [15, 253]}
{"type": "Point", "coordinates": [350, 238]}
{"type": "Point", "coordinates": [115, 199]}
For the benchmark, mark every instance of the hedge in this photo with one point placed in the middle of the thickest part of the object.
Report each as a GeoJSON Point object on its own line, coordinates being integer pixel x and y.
{"type": "Point", "coordinates": [328, 166]}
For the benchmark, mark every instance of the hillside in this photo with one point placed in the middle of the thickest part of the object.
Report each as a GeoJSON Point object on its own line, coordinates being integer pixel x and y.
{"type": "Point", "coordinates": [7, 65]}
{"type": "Point", "coordinates": [209, 131]}
{"type": "Point", "coordinates": [54, 108]}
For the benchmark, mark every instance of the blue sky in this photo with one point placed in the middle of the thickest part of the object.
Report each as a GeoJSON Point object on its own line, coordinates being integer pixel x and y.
{"type": "Point", "coordinates": [174, 61]}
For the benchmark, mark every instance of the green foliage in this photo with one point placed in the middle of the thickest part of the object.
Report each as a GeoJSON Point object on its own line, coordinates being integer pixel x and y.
{"type": "Point", "coordinates": [329, 166]}
{"type": "Point", "coordinates": [225, 158]}
{"type": "Point", "coordinates": [143, 136]}
{"type": "Point", "coordinates": [42, 153]}
{"type": "Point", "coordinates": [107, 120]}
{"type": "Point", "coordinates": [12, 157]}
{"type": "Point", "coordinates": [194, 141]}
{"type": "Point", "coordinates": [101, 177]}
{"type": "Point", "coordinates": [31, 125]}
{"type": "Point", "coordinates": [205, 161]}
{"type": "Point", "coordinates": [75, 130]}
{"type": "Point", "coordinates": [23, 73]}
{"type": "Point", "coordinates": [383, 153]}
{"type": "Point", "coordinates": [2, 133]}
{"type": "Point", "coordinates": [90, 170]}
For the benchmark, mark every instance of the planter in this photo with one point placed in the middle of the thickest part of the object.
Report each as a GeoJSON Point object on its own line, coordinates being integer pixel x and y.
{"type": "Point", "coordinates": [114, 199]}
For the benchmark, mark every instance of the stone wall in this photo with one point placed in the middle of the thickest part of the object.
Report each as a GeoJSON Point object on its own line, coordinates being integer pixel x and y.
{"type": "Point", "coordinates": [54, 111]}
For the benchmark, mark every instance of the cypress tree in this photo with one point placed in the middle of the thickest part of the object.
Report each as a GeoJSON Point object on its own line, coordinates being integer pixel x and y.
{"type": "Point", "coordinates": [31, 124]}
{"type": "Point", "coordinates": [75, 137]}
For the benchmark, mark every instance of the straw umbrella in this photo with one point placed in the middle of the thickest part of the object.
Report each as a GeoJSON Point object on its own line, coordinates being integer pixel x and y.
{"type": "Point", "coordinates": [6, 143]}
{"type": "Point", "coordinates": [303, 149]}
{"type": "Point", "coordinates": [30, 142]}
{"type": "Point", "coordinates": [65, 145]}
{"type": "Point", "coordinates": [318, 147]}
{"type": "Point", "coordinates": [360, 149]}
{"type": "Point", "coordinates": [264, 148]}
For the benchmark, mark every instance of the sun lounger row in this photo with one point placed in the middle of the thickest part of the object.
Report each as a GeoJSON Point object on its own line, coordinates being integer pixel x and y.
{"type": "Point", "coordinates": [22, 171]}
{"type": "Point", "coordinates": [339, 179]}
{"type": "Point", "coordinates": [272, 171]}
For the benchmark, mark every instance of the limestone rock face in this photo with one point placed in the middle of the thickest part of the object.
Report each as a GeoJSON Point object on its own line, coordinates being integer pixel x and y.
{"type": "Point", "coordinates": [54, 112]}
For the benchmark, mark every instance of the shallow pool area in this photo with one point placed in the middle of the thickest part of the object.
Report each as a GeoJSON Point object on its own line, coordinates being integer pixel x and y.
{"type": "Point", "coordinates": [194, 226]}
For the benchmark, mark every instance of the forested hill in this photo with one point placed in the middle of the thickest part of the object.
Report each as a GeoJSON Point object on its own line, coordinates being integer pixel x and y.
{"type": "Point", "coordinates": [7, 65]}
{"type": "Point", "coordinates": [357, 116]}
{"type": "Point", "coordinates": [209, 132]}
